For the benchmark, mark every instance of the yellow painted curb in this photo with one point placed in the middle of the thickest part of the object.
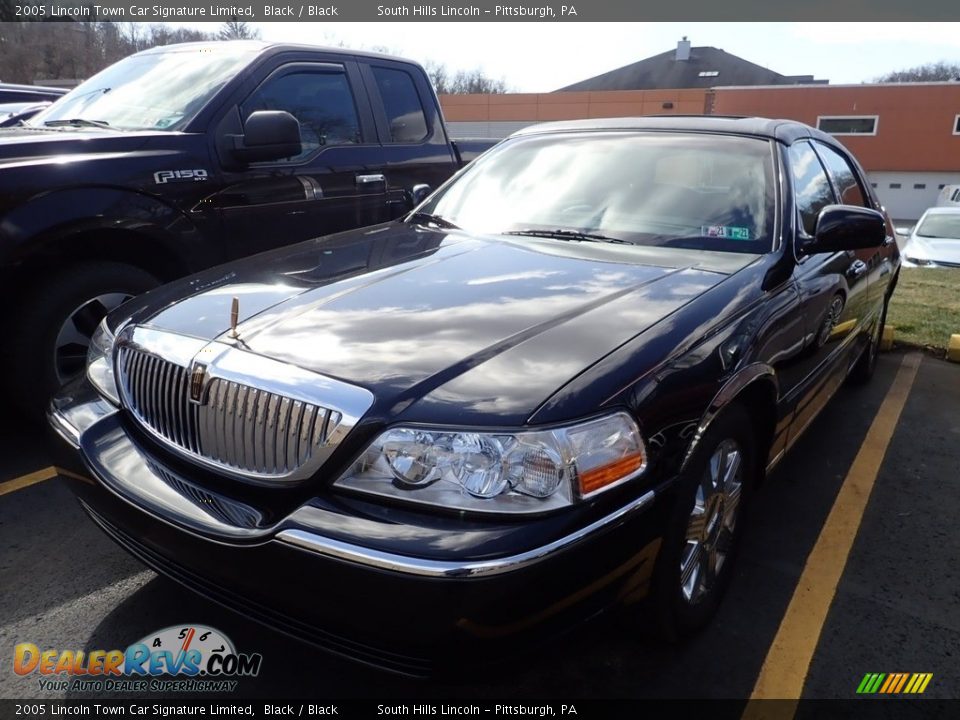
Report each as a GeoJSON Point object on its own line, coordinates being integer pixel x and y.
{"type": "Point", "coordinates": [953, 349]}
{"type": "Point", "coordinates": [886, 342]}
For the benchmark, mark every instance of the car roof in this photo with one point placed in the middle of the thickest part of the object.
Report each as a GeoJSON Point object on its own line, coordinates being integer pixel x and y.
{"type": "Point", "coordinates": [786, 131]}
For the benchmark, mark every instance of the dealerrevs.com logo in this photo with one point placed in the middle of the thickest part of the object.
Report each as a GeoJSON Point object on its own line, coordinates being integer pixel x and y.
{"type": "Point", "coordinates": [180, 658]}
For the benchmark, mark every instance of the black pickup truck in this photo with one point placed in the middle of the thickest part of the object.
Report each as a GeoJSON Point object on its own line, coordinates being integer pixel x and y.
{"type": "Point", "coordinates": [185, 156]}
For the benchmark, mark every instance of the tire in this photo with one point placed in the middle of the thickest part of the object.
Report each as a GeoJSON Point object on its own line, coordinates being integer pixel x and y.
{"type": "Point", "coordinates": [703, 534]}
{"type": "Point", "coordinates": [866, 364]}
{"type": "Point", "coordinates": [58, 319]}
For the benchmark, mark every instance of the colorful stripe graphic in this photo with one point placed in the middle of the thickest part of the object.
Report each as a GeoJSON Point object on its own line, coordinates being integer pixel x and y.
{"type": "Point", "coordinates": [894, 683]}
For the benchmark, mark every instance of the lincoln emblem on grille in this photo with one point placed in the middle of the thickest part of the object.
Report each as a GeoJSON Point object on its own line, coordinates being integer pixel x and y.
{"type": "Point", "coordinates": [196, 382]}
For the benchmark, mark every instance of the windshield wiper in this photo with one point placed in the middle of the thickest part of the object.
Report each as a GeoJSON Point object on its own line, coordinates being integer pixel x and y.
{"type": "Point", "coordinates": [562, 234]}
{"type": "Point", "coordinates": [79, 122]}
{"type": "Point", "coordinates": [431, 219]}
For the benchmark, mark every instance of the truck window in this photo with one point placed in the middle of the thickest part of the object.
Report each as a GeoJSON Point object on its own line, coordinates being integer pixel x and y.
{"type": "Point", "coordinates": [402, 105]}
{"type": "Point", "coordinates": [810, 184]}
{"type": "Point", "coordinates": [322, 102]}
{"type": "Point", "coordinates": [844, 178]}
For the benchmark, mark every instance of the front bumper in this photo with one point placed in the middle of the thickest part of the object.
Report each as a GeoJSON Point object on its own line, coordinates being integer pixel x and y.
{"type": "Point", "coordinates": [386, 586]}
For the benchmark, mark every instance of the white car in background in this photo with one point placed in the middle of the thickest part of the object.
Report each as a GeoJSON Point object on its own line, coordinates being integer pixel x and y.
{"type": "Point", "coordinates": [949, 196]}
{"type": "Point", "coordinates": [935, 240]}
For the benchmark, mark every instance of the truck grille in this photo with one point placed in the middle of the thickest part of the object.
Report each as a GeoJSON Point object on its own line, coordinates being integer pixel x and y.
{"type": "Point", "coordinates": [230, 425]}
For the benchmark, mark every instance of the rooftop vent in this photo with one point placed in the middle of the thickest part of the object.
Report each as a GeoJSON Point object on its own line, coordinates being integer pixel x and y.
{"type": "Point", "coordinates": [683, 49]}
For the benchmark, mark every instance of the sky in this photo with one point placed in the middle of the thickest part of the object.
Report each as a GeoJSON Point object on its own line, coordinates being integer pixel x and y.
{"type": "Point", "coordinates": [540, 57]}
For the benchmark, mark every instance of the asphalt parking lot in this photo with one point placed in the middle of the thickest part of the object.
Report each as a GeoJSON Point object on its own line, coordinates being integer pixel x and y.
{"type": "Point", "coordinates": [802, 611]}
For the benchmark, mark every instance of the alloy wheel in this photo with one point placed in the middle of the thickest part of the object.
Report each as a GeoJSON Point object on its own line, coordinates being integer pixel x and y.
{"type": "Point", "coordinates": [73, 339]}
{"type": "Point", "coordinates": [712, 522]}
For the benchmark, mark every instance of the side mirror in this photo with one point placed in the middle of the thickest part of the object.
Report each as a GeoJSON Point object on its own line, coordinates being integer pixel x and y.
{"type": "Point", "coordinates": [904, 231]}
{"type": "Point", "coordinates": [845, 227]}
{"type": "Point", "coordinates": [268, 135]}
{"type": "Point", "coordinates": [419, 193]}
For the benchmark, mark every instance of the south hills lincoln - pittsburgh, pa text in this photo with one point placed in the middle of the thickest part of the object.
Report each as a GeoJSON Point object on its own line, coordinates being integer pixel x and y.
{"type": "Point", "coordinates": [546, 11]}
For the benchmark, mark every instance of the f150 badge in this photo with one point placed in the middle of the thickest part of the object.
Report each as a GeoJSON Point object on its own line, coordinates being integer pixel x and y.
{"type": "Point", "coordinates": [164, 176]}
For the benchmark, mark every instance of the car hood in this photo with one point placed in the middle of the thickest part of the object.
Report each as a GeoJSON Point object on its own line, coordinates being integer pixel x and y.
{"type": "Point", "coordinates": [443, 324]}
{"type": "Point", "coordinates": [945, 250]}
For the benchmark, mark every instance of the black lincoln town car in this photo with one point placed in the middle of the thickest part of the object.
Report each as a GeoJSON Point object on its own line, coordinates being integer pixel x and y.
{"type": "Point", "coordinates": [549, 390]}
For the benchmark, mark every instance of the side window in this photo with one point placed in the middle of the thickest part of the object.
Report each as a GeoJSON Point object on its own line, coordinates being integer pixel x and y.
{"type": "Point", "coordinates": [810, 184]}
{"type": "Point", "coordinates": [844, 177]}
{"type": "Point", "coordinates": [322, 102]}
{"type": "Point", "coordinates": [402, 105]}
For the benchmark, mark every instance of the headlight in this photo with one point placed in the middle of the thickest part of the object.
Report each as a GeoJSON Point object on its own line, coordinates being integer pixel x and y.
{"type": "Point", "coordinates": [919, 262]}
{"type": "Point", "coordinates": [525, 471]}
{"type": "Point", "coordinates": [100, 362]}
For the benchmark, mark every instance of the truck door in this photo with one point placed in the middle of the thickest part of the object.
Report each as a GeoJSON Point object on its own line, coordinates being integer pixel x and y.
{"type": "Point", "coordinates": [415, 143]}
{"type": "Point", "coordinates": [337, 181]}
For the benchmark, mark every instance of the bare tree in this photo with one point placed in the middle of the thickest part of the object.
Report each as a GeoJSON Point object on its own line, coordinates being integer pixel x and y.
{"type": "Point", "coordinates": [234, 30]}
{"type": "Point", "coordinates": [463, 82]}
{"type": "Point", "coordinates": [37, 51]}
{"type": "Point", "coordinates": [931, 72]}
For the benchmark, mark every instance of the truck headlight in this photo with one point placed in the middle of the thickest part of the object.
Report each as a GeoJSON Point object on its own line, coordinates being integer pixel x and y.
{"type": "Point", "coordinates": [503, 472]}
{"type": "Point", "coordinates": [100, 362]}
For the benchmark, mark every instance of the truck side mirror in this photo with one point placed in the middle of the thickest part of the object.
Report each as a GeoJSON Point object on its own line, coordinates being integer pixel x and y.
{"type": "Point", "coordinates": [845, 227]}
{"type": "Point", "coordinates": [419, 193]}
{"type": "Point", "coordinates": [268, 135]}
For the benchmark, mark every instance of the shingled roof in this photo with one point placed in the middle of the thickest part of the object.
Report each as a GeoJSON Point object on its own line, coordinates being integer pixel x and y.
{"type": "Point", "coordinates": [705, 67]}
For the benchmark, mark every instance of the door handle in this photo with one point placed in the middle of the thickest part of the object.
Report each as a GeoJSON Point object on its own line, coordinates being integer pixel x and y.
{"type": "Point", "coordinates": [370, 179]}
{"type": "Point", "coordinates": [856, 269]}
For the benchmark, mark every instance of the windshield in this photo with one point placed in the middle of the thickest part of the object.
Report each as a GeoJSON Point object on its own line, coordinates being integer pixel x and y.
{"type": "Point", "coordinates": [699, 191]}
{"type": "Point", "coordinates": [153, 91]}
{"type": "Point", "coordinates": [940, 225]}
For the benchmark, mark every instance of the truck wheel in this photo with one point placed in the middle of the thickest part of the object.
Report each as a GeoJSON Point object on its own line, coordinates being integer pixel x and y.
{"type": "Point", "coordinates": [702, 538]}
{"type": "Point", "coordinates": [58, 320]}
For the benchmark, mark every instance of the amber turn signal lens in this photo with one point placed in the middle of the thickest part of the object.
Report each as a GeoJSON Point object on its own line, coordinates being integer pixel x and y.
{"type": "Point", "coordinates": [593, 480]}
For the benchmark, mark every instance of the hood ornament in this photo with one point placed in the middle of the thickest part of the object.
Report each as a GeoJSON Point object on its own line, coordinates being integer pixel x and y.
{"type": "Point", "coordinates": [234, 316]}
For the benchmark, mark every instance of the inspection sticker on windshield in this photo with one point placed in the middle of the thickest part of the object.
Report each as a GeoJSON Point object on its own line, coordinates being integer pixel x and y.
{"type": "Point", "coordinates": [727, 232]}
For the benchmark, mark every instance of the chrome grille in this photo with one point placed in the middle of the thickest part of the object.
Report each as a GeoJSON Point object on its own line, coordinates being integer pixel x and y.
{"type": "Point", "coordinates": [234, 426]}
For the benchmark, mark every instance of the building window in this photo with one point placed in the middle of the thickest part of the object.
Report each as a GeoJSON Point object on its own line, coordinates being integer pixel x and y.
{"type": "Point", "coordinates": [894, 186]}
{"type": "Point", "coordinates": [848, 124]}
{"type": "Point", "coordinates": [956, 125]}
{"type": "Point", "coordinates": [919, 186]}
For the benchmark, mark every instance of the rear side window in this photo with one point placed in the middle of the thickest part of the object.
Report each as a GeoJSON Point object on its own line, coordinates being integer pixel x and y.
{"type": "Point", "coordinates": [322, 102]}
{"type": "Point", "coordinates": [843, 176]}
{"type": "Point", "coordinates": [810, 184]}
{"type": "Point", "coordinates": [405, 116]}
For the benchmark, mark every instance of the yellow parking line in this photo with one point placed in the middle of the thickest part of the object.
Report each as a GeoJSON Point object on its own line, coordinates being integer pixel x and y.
{"type": "Point", "coordinates": [785, 668]}
{"type": "Point", "coordinates": [27, 480]}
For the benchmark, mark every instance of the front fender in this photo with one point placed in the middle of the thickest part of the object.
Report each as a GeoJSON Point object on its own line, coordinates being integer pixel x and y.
{"type": "Point", "coordinates": [755, 376]}
{"type": "Point", "coordinates": [32, 227]}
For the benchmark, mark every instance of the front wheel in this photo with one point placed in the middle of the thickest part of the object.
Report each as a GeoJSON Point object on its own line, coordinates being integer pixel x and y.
{"type": "Point", "coordinates": [704, 531]}
{"type": "Point", "coordinates": [56, 323]}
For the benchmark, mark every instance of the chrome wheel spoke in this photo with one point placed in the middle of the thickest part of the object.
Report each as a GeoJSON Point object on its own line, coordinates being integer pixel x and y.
{"type": "Point", "coordinates": [732, 505]}
{"type": "Point", "coordinates": [691, 563]}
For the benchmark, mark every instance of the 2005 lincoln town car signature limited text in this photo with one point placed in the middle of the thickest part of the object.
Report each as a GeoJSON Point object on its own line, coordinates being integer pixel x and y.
{"type": "Point", "coordinates": [549, 390]}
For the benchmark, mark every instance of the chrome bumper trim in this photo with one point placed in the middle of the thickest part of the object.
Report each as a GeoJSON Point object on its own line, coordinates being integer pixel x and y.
{"type": "Point", "coordinates": [449, 568]}
{"type": "Point", "coordinates": [64, 427]}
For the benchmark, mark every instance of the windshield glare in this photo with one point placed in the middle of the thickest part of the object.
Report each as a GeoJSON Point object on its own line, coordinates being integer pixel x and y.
{"type": "Point", "coordinates": [940, 225]}
{"type": "Point", "coordinates": [155, 91]}
{"type": "Point", "coordinates": [690, 190]}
